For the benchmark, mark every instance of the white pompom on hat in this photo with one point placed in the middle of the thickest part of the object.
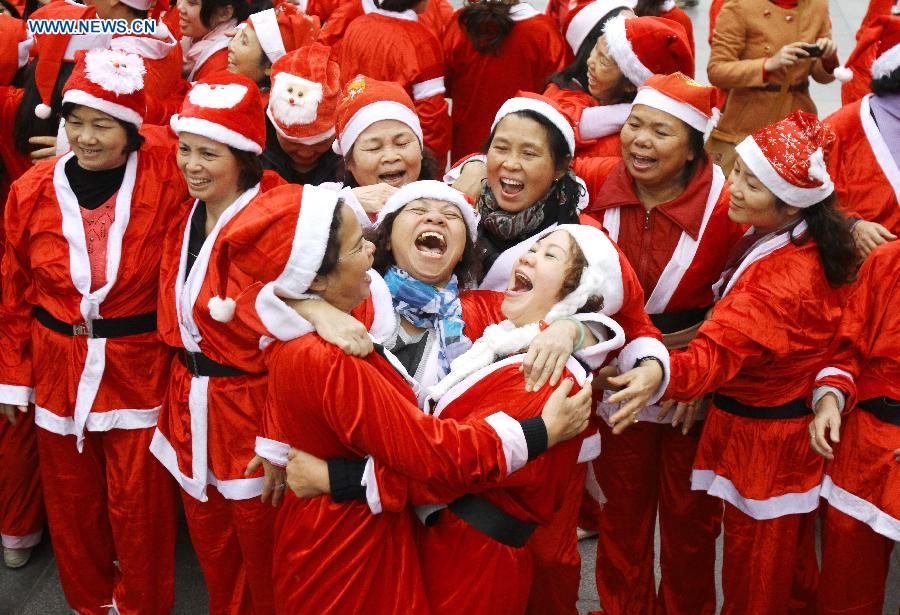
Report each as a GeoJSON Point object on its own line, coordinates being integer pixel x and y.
{"type": "Point", "coordinates": [431, 189]}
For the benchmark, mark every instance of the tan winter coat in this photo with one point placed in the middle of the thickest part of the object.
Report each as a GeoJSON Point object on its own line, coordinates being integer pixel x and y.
{"type": "Point", "coordinates": [746, 33]}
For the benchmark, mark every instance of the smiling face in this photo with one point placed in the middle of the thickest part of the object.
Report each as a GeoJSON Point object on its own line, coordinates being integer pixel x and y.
{"type": "Point", "coordinates": [387, 151]}
{"type": "Point", "coordinates": [189, 18]}
{"type": "Point", "coordinates": [520, 165]}
{"type": "Point", "coordinates": [210, 169]}
{"type": "Point", "coordinates": [428, 238]}
{"type": "Point", "coordinates": [606, 83]}
{"type": "Point", "coordinates": [245, 55]}
{"type": "Point", "coordinates": [535, 284]}
{"type": "Point", "coordinates": [752, 203]}
{"type": "Point", "coordinates": [655, 146]}
{"type": "Point", "coordinates": [97, 139]}
{"type": "Point", "coordinates": [347, 285]}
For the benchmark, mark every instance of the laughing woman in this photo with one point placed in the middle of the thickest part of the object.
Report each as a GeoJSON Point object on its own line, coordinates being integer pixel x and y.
{"type": "Point", "coordinates": [204, 40]}
{"type": "Point", "coordinates": [336, 405]}
{"type": "Point", "coordinates": [78, 337]}
{"type": "Point", "coordinates": [779, 304]}
{"type": "Point", "coordinates": [207, 425]}
{"type": "Point", "coordinates": [616, 56]}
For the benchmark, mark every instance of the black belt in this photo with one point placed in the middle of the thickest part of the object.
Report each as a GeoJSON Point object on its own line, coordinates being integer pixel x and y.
{"type": "Point", "coordinates": [884, 408]}
{"type": "Point", "coordinates": [776, 87]}
{"type": "Point", "coordinates": [198, 364]}
{"type": "Point", "coordinates": [99, 327]}
{"type": "Point", "coordinates": [672, 322]}
{"type": "Point", "coordinates": [490, 520]}
{"type": "Point", "coordinates": [791, 410]}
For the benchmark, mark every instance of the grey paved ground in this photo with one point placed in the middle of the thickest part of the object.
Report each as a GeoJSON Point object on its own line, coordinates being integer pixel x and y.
{"type": "Point", "coordinates": [35, 589]}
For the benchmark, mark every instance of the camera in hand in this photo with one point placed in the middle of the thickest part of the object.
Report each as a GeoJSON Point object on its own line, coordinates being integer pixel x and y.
{"type": "Point", "coordinates": [814, 51]}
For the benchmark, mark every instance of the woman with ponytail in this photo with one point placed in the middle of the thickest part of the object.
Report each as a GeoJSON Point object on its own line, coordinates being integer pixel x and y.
{"type": "Point", "coordinates": [493, 49]}
{"type": "Point", "coordinates": [778, 307]}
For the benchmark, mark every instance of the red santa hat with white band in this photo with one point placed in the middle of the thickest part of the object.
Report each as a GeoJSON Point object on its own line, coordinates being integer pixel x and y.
{"type": "Point", "coordinates": [282, 242]}
{"type": "Point", "coordinates": [304, 95]}
{"type": "Point", "coordinates": [888, 59]}
{"type": "Point", "coordinates": [109, 81]}
{"type": "Point", "coordinates": [646, 46]}
{"type": "Point", "coordinates": [283, 29]}
{"type": "Point", "coordinates": [225, 107]}
{"type": "Point", "coordinates": [438, 191]}
{"type": "Point", "coordinates": [367, 101]}
{"type": "Point", "coordinates": [680, 96]}
{"type": "Point", "coordinates": [527, 101]}
{"type": "Point", "coordinates": [15, 45]}
{"type": "Point", "coordinates": [583, 19]}
{"type": "Point", "coordinates": [51, 50]}
{"type": "Point", "coordinates": [789, 158]}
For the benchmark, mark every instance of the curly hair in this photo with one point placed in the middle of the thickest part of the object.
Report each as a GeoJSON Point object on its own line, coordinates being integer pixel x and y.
{"type": "Point", "coordinates": [572, 279]}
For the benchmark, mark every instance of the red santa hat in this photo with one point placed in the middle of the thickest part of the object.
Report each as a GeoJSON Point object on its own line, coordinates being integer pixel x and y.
{"type": "Point", "coordinates": [679, 95]}
{"type": "Point", "coordinates": [283, 242]}
{"type": "Point", "coordinates": [304, 96]}
{"type": "Point", "coordinates": [889, 48]}
{"type": "Point", "coordinates": [646, 46]}
{"type": "Point", "coordinates": [790, 157]}
{"type": "Point", "coordinates": [527, 101]}
{"type": "Point", "coordinates": [15, 45]}
{"type": "Point", "coordinates": [367, 101]}
{"type": "Point", "coordinates": [880, 41]}
{"type": "Point", "coordinates": [583, 19]}
{"type": "Point", "coordinates": [431, 189]}
{"type": "Point", "coordinates": [283, 29]}
{"type": "Point", "coordinates": [109, 81]}
{"type": "Point", "coordinates": [225, 107]}
{"type": "Point", "coordinates": [51, 50]}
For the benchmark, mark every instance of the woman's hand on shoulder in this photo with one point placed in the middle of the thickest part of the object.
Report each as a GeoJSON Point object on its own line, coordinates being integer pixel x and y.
{"type": "Point", "coordinates": [335, 326]}
{"type": "Point", "coordinates": [470, 177]}
{"type": "Point", "coordinates": [372, 198]}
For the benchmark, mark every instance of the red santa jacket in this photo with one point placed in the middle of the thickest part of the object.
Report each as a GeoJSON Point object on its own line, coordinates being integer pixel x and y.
{"type": "Point", "coordinates": [337, 406]}
{"type": "Point", "coordinates": [207, 426]}
{"type": "Point", "coordinates": [479, 83]}
{"type": "Point", "coordinates": [597, 127]}
{"type": "Point", "coordinates": [863, 480]}
{"type": "Point", "coordinates": [81, 383]}
{"type": "Point", "coordinates": [866, 178]}
{"type": "Point", "coordinates": [765, 339]}
{"type": "Point", "coordinates": [15, 163]}
{"type": "Point", "coordinates": [396, 47]}
{"type": "Point", "coordinates": [436, 18]}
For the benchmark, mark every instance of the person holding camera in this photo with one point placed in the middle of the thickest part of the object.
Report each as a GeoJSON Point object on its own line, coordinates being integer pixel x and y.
{"type": "Point", "coordinates": [763, 54]}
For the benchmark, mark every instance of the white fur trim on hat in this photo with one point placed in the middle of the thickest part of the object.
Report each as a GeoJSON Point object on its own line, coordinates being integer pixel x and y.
{"type": "Point", "coordinates": [886, 63]}
{"type": "Point", "coordinates": [619, 47]}
{"type": "Point", "coordinates": [85, 41]}
{"type": "Point", "coordinates": [311, 140]}
{"type": "Point", "coordinates": [307, 95]}
{"type": "Point", "coordinates": [317, 210]}
{"type": "Point", "coordinates": [265, 23]}
{"type": "Point", "coordinates": [375, 112]}
{"type": "Point", "coordinates": [115, 71]}
{"type": "Point", "coordinates": [216, 132]}
{"type": "Point", "coordinates": [524, 103]}
{"type": "Point", "coordinates": [120, 112]}
{"type": "Point", "coordinates": [795, 196]}
{"type": "Point", "coordinates": [601, 277]}
{"type": "Point", "coordinates": [431, 189]}
{"type": "Point", "coordinates": [217, 95]}
{"type": "Point", "coordinates": [588, 17]}
{"type": "Point", "coordinates": [688, 114]}
{"type": "Point", "coordinates": [23, 50]}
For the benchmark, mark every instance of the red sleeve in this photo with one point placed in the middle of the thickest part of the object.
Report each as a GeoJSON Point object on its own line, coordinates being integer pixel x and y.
{"type": "Point", "coordinates": [594, 172]}
{"type": "Point", "coordinates": [214, 63]}
{"type": "Point", "coordinates": [369, 414]}
{"type": "Point", "coordinates": [436, 127]}
{"type": "Point", "coordinates": [726, 342]}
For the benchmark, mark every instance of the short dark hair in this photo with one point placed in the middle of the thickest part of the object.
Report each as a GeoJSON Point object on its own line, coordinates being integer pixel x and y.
{"type": "Point", "coordinates": [573, 279]}
{"type": "Point", "coordinates": [134, 139]}
{"type": "Point", "coordinates": [574, 76]}
{"type": "Point", "coordinates": [887, 85]}
{"type": "Point", "coordinates": [208, 8]}
{"type": "Point", "coordinates": [396, 6]}
{"type": "Point", "coordinates": [467, 270]}
{"type": "Point", "coordinates": [251, 168]}
{"type": "Point", "coordinates": [333, 245]}
{"type": "Point", "coordinates": [697, 146]}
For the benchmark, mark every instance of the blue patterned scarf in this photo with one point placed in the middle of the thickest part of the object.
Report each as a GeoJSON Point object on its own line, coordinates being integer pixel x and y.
{"type": "Point", "coordinates": [430, 307]}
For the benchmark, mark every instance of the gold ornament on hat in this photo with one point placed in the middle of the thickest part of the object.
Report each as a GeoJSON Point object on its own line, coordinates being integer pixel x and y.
{"type": "Point", "coordinates": [356, 87]}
